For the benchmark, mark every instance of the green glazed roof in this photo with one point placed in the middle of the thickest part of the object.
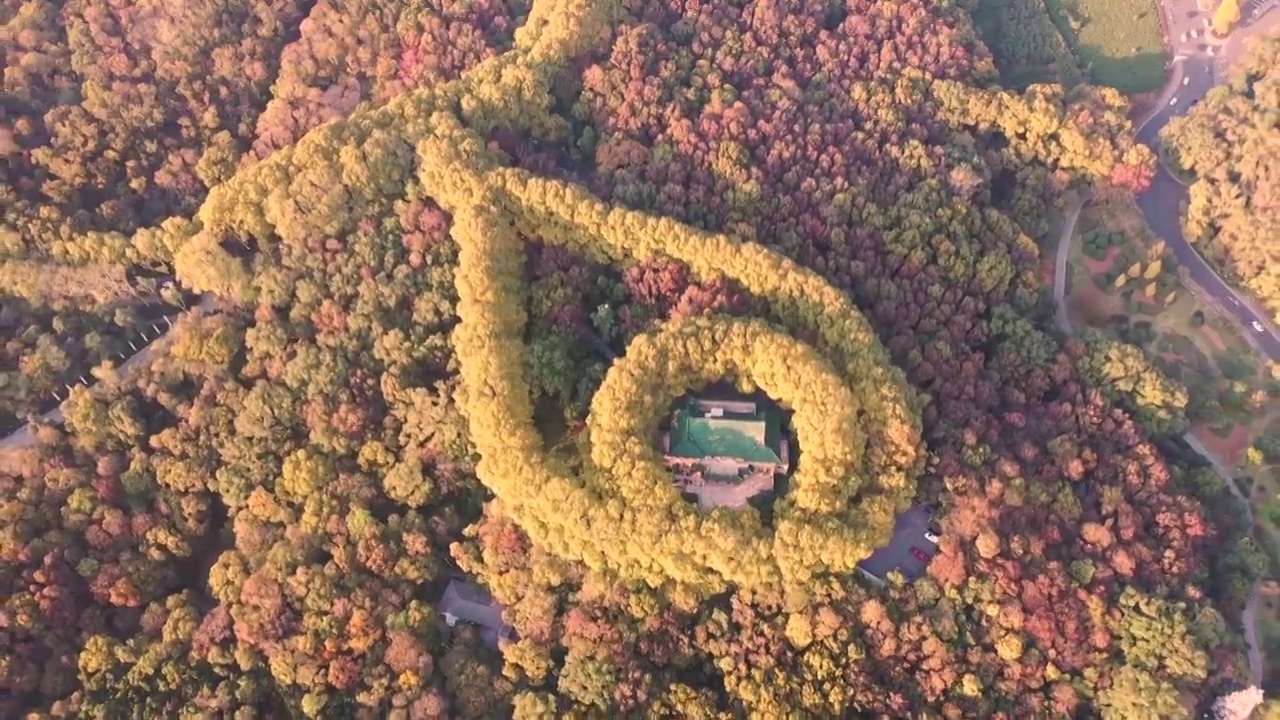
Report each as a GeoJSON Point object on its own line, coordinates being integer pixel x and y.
{"type": "Point", "coordinates": [748, 437]}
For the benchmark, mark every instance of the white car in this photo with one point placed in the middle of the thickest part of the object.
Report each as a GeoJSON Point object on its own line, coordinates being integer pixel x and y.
{"type": "Point", "coordinates": [931, 536]}
{"type": "Point", "coordinates": [1186, 81]}
{"type": "Point", "coordinates": [1257, 326]}
{"type": "Point", "coordinates": [1173, 102]}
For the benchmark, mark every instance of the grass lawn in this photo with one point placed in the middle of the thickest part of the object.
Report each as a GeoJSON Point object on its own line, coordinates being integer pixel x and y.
{"type": "Point", "coordinates": [1266, 478]}
{"type": "Point", "coordinates": [1118, 41]}
{"type": "Point", "coordinates": [1266, 497]}
{"type": "Point", "coordinates": [1268, 626]}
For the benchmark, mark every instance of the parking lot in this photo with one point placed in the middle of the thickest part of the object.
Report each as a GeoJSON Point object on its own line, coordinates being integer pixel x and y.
{"type": "Point", "coordinates": [908, 532]}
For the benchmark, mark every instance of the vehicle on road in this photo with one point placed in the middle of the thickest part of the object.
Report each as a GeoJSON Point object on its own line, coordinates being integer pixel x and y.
{"type": "Point", "coordinates": [1173, 102]}
{"type": "Point", "coordinates": [1234, 302]}
{"type": "Point", "coordinates": [1257, 326]}
{"type": "Point", "coordinates": [931, 536]}
{"type": "Point", "coordinates": [1186, 81]}
{"type": "Point", "coordinates": [919, 554]}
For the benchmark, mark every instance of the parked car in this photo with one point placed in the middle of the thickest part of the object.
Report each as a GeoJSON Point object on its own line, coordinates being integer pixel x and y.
{"type": "Point", "coordinates": [919, 554]}
{"type": "Point", "coordinates": [931, 536]}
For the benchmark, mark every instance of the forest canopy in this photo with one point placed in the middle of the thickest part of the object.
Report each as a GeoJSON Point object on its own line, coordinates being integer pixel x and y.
{"type": "Point", "coordinates": [459, 257]}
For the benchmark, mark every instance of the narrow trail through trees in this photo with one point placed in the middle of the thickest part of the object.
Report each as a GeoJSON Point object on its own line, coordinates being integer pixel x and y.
{"type": "Point", "coordinates": [26, 437]}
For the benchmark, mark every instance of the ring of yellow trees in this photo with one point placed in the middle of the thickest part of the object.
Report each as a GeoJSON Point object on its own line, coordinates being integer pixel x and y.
{"type": "Point", "coordinates": [658, 368]}
{"type": "Point", "coordinates": [619, 512]}
{"type": "Point", "coordinates": [636, 395]}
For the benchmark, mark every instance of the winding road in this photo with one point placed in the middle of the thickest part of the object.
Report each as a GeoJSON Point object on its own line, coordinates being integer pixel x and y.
{"type": "Point", "coordinates": [1162, 203]}
{"type": "Point", "coordinates": [1248, 616]}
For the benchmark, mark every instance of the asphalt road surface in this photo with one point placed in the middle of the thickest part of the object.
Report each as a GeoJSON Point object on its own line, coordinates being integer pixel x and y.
{"type": "Point", "coordinates": [908, 532]}
{"type": "Point", "coordinates": [1162, 203]}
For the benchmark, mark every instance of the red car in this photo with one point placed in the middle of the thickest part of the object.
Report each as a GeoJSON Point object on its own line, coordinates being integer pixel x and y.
{"type": "Point", "coordinates": [919, 554]}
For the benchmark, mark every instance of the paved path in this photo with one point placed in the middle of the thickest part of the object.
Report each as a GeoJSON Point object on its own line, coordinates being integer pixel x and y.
{"type": "Point", "coordinates": [1249, 616]}
{"type": "Point", "coordinates": [1162, 203]}
{"type": "Point", "coordinates": [1061, 266]}
{"type": "Point", "coordinates": [26, 436]}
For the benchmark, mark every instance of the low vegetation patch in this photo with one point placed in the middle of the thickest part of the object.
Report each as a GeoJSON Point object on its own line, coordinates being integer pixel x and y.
{"type": "Point", "coordinates": [1027, 46]}
{"type": "Point", "coordinates": [1135, 295]}
{"type": "Point", "coordinates": [1119, 42]}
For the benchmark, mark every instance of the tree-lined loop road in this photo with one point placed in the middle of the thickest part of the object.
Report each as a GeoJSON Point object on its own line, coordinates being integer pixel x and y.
{"type": "Point", "coordinates": [1162, 203]}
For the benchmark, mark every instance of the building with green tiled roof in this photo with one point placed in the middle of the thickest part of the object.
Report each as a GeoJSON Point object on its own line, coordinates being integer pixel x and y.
{"type": "Point", "coordinates": [726, 440]}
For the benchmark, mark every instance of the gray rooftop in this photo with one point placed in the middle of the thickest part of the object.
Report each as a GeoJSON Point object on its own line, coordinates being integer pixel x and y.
{"type": "Point", "coordinates": [472, 603]}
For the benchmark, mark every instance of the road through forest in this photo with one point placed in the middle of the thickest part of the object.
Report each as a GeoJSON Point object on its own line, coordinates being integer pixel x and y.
{"type": "Point", "coordinates": [25, 437]}
{"type": "Point", "coordinates": [1249, 616]}
{"type": "Point", "coordinates": [1162, 203]}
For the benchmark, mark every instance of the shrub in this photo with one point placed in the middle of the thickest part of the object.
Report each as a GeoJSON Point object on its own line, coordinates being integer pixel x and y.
{"type": "Point", "coordinates": [1233, 368]}
{"type": "Point", "coordinates": [1269, 446]}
